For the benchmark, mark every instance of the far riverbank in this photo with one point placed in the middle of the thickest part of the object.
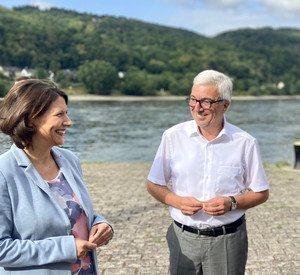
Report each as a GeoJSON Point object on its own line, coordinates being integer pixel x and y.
{"type": "Point", "coordinates": [90, 97]}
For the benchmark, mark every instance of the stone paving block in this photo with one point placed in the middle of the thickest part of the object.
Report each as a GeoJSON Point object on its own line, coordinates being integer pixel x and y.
{"type": "Point", "coordinates": [117, 271]}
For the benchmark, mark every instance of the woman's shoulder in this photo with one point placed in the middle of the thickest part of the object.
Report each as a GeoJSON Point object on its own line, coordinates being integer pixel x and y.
{"type": "Point", "coordinates": [8, 155]}
{"type": "Point", "coordinates": [11, 160]}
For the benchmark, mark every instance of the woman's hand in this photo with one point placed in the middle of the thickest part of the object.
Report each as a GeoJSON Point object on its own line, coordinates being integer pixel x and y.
{"type": "Point", "coordinates": [100, 234]}
{"type": "Point", "coordinates": [82, 247]}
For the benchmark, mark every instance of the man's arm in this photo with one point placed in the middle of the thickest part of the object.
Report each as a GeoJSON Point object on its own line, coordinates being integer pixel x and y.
{"type": "Point", "coordinates": [220, 205]}
{"type": "Point", "coordinates": [187, 205]}
{"type": "Point", "coordinates": [251, 199]}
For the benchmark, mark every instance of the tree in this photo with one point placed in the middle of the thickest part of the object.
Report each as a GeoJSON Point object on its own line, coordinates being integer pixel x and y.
{"type": "Point", "coordinates": [183, 85]}
{"type": "Point", "coordinates": [155, 66]}
{"type": "Point", "coordinates": [65, 78]}
{"type": "Point", "coordinates": [98, 76]}
{"type": "Point", "coordinates": [57, 39]}
{"type": "Point", "coordinates": [40, 73]}
{"type": "Point", "coordinates": [5, 85]}
{"type": "Point", "coordinates": [134, 82]}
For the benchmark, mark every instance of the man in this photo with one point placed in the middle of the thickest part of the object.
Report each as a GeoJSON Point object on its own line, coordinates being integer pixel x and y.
{"type": "Point", "coordinates": [216, 174]}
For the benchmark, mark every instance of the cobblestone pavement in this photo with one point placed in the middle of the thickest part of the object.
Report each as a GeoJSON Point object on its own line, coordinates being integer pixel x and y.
{"type": "Point", "coordinates": [140, 222]}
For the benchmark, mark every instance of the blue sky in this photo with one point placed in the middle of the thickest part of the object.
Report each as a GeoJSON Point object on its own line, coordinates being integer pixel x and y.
{"type": "Point", "coordinates": [206, 17]}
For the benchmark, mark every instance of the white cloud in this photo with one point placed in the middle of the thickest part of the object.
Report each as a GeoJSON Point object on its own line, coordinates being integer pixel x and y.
{"type": "Point", "coordinates": [42, 5]}
{"type": "Point", "coordinates": [211, 22]}
{"type": "Point", "coordinates": [223, 3]}
{"type": "Point", "coordinates": [210, 17]}
{"type": "Point", "coordinates": [234, 14]}
{"type": "Point", "coordinates": [285, 5]}
{"type": "Point", "coordinates": [214, 3]}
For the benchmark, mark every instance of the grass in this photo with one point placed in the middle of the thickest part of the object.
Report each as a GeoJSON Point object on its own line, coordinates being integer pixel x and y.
{"type": "Point", "coordinates": [75, 90]}
{"type": "Point", "coordinates": [282, 163]}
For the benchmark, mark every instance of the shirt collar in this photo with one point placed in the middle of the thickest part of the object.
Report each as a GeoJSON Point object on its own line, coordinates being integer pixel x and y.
{"type": "Point", "coordinates": [225, 131]}
{"type": "Point", "coordinates": [193, 130]}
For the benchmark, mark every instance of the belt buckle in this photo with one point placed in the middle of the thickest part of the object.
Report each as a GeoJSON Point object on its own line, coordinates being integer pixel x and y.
{"type": "Point", "coordinates": [203, 227]}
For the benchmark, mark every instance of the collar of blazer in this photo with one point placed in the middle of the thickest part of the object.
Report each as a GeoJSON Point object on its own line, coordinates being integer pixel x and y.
{"type": "Point", "coordinates": [23, 160]}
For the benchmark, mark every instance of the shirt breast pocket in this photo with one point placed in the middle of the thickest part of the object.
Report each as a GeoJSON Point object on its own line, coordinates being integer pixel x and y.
{"type": "Point", "coordinates": [229, 178]}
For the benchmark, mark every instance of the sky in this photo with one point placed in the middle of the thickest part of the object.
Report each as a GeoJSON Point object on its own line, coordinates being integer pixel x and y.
{"type": "Point", "coordinates": [205, 17]}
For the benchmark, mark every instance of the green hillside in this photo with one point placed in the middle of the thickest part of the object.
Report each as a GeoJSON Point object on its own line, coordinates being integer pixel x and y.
{"type": "Point", "coordinates": [90, 50]}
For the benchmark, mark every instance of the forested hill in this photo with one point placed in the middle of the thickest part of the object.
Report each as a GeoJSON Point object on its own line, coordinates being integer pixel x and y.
{"type": "Point", "coordinates": [152, 57]}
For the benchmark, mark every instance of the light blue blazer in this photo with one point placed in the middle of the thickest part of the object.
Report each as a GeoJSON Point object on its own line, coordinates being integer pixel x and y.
{"type": "Point", "coordinates": [35, 232]}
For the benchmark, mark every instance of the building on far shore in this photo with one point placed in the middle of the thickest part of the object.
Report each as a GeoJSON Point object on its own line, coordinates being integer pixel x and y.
{"type": "Point", "coordinates": [15, 72]}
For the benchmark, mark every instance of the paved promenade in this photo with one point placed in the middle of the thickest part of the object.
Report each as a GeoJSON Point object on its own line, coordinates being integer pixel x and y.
{"type": "Point", "coordinates": [140, 222]}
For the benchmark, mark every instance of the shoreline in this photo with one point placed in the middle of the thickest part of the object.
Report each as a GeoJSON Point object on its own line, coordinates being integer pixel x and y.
{"type": "Point", "coordinates": [90, 97]}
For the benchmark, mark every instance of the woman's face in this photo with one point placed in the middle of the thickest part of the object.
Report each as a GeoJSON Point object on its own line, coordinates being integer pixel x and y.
{"type": "Point", "coordinates": [51, 126]}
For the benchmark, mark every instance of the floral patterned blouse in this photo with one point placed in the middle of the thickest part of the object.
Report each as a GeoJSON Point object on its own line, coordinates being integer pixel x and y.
{"type": "Point", "coordinates": [70, 203]}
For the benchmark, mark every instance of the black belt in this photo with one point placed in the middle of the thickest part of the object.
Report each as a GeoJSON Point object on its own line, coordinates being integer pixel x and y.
{"type": "Point", "coordinates": [214, 231]}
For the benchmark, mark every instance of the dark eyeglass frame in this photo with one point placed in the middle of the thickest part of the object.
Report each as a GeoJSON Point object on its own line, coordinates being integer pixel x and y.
{"type": "Point", "coordinates": [200, 101]}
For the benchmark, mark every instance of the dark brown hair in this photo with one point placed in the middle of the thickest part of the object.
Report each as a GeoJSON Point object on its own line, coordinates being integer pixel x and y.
{"type": "Point", "coordinates": [26, 100]}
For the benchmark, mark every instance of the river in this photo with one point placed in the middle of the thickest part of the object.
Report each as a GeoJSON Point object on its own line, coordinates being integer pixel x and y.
{"type": "Point", "coordinates": [130, 131]}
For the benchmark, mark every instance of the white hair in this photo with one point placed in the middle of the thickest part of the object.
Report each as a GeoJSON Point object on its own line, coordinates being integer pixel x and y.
{"type": "Point", "coordinates": [222, 81]}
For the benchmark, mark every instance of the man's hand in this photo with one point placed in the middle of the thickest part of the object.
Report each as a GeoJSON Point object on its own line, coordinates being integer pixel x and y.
{"type": "Point", "coordinates": [190, 205]}
{"type": "Point", "coordinates": [217, 206]}
{"type": "Point", "coordinates": [100, 234]}
{"type": "Point", "coordinates": [187, 205]}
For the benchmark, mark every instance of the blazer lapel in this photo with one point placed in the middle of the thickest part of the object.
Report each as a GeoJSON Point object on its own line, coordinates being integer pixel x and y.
{"type": "Point", "coordinates": [31, 173]}
{"type": "Point", "coordinates": [34, 177]}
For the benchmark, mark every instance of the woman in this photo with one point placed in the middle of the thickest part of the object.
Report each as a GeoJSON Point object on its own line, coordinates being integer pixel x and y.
{"type": "Point", "coordinates": [47, 221]}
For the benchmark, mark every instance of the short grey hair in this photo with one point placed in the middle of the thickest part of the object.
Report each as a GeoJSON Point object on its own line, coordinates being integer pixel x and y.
{"type": "Point", "coordinates": [222, 81]}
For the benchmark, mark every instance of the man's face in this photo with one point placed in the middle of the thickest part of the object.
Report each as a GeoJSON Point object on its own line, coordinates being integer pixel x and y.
{"type": "Point", "coordinates": [208, 118]}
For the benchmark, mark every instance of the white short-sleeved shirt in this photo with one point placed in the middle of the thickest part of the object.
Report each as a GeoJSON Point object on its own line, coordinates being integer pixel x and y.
{"type": "Point", "coordinates": [228, 165]}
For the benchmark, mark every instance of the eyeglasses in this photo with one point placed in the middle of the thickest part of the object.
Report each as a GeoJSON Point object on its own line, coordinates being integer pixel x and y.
{"type": "Point", "coordinates": [205, 103]}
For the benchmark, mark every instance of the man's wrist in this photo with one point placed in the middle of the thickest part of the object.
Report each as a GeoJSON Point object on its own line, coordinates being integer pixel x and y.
{"type": "Point", "coordinates": [233, 203]}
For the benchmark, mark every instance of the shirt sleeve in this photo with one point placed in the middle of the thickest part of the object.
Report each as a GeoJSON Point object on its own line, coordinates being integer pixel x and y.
{"type": "Point", "coordinates": [255, 177]}
{"type": "Point", "coordinates": [25, 252]}
{"type": "Point", "coordinates": [160, 172]}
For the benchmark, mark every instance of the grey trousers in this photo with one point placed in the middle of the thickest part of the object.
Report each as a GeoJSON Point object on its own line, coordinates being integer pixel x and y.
{"type": "Point", "coordinates": [192, 254]}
